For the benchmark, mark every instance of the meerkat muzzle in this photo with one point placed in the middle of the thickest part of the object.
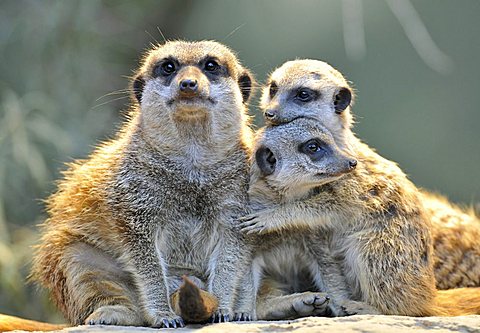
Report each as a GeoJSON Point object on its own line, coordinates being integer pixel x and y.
{"type": "Point", "coordinates": [192, 83]}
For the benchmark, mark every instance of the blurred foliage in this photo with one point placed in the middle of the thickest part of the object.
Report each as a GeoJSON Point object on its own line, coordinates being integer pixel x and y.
{"type": "Point", "coordinates": [65, 67]}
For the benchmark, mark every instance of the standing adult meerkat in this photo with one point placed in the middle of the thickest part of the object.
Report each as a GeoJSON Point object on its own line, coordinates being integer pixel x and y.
{"type": "Point", "coordinates": [380, 230]}
{"type": "Point", "coordinates": [159, 201]}
{"type": "Point", "coordinates": [314, 89]}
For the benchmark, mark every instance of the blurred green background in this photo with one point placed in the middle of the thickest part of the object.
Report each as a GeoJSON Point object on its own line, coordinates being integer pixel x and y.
{"type": "Point", "coordinates": [418, 90]}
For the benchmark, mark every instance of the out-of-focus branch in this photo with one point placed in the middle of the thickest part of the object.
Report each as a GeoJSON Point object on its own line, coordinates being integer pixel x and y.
{"type": "Point", "coordinates": [418, 35]}
{"type": "Point", "coordinates": [353, 29]}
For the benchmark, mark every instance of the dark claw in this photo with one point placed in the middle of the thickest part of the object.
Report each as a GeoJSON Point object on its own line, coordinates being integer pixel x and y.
{"type": "Point", "coordinates": [165, 323]}
{"type": "Point", "coordinates": [226, 318]}
{"type": "Point", "coordinates": [248, 318]}
{"type": "Point", "coordinates": [326, 301]}
{"type": "Point", "coordinates": [247, 218]}
{"type": "Point", "coordinates": [173, 323]}
{"type": "Point", "coordinates": [103, 322]}
{"type": "Point", "coordinates": [91, 322]}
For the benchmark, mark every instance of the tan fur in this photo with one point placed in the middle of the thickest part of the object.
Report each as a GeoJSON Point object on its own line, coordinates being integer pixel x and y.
{"type": "Point", "coordinates": [456, 235]}
{"type": "Point", "coordinates": [380, 230]}
{"type": "Point", "coordinates": [10, 323]}
{"type": "Point", "coordinates": [455, 231]}
{"type": "Point", "coordinates": [192, 303]}
{"type": "Point", "coordinates": [156, 202]}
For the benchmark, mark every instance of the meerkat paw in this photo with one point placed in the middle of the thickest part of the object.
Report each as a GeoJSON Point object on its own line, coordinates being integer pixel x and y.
{"type": "Point", "coordinates": [118, 315]}
{"type": "Point", "coordinates": [243, 316]}
{"type": "Point", "coordinates": [257, 223]}
{"type": "Point", "coordinates": [221, 315]}
{"type": "Point", "coordinates": [167, 319]}
{"type": "Point", "coordinates": [312, 304]}
{"type": "Point", "coordinates": [358, 308]}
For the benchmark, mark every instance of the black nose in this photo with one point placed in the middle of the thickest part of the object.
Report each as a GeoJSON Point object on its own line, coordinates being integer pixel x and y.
{"type": "Point", "coordinates": [188, 86]}
{"type": "Point", "coordinates": [352, 164]}
{"type": "Point", "coordinates": [269, 114]}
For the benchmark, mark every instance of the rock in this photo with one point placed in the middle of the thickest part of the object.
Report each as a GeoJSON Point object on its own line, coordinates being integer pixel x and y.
{"type": "Point", "coordinates": [363, 324]}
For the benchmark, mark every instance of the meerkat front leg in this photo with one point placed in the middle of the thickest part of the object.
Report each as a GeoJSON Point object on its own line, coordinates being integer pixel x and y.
{"type": "Point", "coordinates": [225, 271]}
{"type": "Point", "coordinates": [310, 213]}
{"type": "Point", "coordinates": [151, 280]}
{"type": "Point", "coordinates": [244, 309]}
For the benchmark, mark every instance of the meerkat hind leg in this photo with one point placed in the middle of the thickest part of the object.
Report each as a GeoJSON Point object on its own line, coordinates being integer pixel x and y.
{"type": "Point", "coordinates": [101, 291]}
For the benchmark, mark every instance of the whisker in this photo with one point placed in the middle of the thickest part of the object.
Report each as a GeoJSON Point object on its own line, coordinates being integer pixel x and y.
{"type": "Point", "coordinates": [161, 33]}
{"type": "Point", "coordinates": [113, 100]}
{"type": "Point", "coordinates": [156, 41]}
{"type": "Point", "coordinates": [116, 92]}
{"type": "Point", "coordinates": [234, 31]}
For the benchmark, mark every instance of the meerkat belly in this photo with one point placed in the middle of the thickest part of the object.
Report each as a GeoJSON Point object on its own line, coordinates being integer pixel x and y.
{"type": "Point", "coordinates": [288, 266]}
{"type": "Point", "coordinates": [194, 243]}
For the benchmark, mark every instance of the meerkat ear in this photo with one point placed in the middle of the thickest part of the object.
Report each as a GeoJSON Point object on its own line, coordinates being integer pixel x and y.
{"type": "Point", "coordinates": [137, 87]}
{"type": "Point", "coordinates": [245, 82]}
{"type": "Point", "coordinates": [266, 160]}
{"type": "Point", "coordinates": [342, 100]}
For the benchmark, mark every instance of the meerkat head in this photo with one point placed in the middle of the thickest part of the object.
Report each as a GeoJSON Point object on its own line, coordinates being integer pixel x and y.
{"type": "Point", "coordinates": [297, 156]}
{"type": "Point", "coordinates": [183, 86]}
{"type": "Point", "coordinates": [311, 89]}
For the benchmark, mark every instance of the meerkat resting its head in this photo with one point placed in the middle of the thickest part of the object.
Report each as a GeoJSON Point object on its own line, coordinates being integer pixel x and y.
{"type": "Point", "coordinates": [159, 201]}
{"type": "Point", "coordinates": [379, 230]}
{"type": "Point", "coordinates": [314, 89]}
{"type": "Point", "coordinates": [309, 89]}
{"type": "Point", "coordinates": [299, 275]}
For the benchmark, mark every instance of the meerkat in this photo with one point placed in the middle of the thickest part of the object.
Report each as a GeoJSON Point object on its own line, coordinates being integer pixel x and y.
{"type": "Point", "coordinates": [297, 273]}
{"type": "Point", "coordinates": [374, 223]}
{"type": "Point", "coordinates": [159, 201]}
{"type": "Point", "coordinates": [314, 89]}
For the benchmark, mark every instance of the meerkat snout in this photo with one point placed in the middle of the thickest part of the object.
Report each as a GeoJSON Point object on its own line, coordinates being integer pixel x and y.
{"type": "Point", "coordinates": [352, 164]}
{"type": "Point", "coordinates": [270, 114]}
{"type": "Point", "coordinates": [266, 160]}
{"type": "Point", "coordinates": [188, 86]}
{"type": "Point", "coordinates": [192, 83]}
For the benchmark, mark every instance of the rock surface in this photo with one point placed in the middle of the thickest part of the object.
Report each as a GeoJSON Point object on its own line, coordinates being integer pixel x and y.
{"type": "Point", "coordinates": [364, 324]}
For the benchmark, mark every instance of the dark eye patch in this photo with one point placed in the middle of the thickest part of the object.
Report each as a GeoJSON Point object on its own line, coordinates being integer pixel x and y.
{"type": "Point", "coordinates": [165, 67]}
{"type": "Point", "coordinates": [314, 148]}
{"type": "Point", "coordinates": [213, 68]}
{"type": "Point", "coordinates": [304, 95]}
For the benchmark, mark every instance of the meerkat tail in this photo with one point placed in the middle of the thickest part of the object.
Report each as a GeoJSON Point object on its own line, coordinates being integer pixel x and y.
{"type": "Point", "coordinates": [457, 302]}
{"type": "Point", "coordinates": [193, 304]}
{"type": "Point", "coordinates": [10, 323]}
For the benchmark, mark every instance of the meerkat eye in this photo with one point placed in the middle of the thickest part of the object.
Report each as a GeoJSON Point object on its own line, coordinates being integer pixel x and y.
{"type": "Point", "coordinates": [304, 95]}
{"type": "Point", "coordinates": [273, 89]}
{"type": "Point", "coordinates": [211, 66]}
{"type": "Point", "coordinates": [313, 147]}
{"type": "Point", "coordinates": [166, 68]}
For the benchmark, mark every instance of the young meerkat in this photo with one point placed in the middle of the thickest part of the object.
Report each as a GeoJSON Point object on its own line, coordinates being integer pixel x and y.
{"type": "Point", "coordinates": [314, 89]}
{"type": "Point", "coordinates": [159, 201]}
{"type": "Point", "coordinates": [380, 230]}
{"type": "Point", "coordinates": [299, 276]}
